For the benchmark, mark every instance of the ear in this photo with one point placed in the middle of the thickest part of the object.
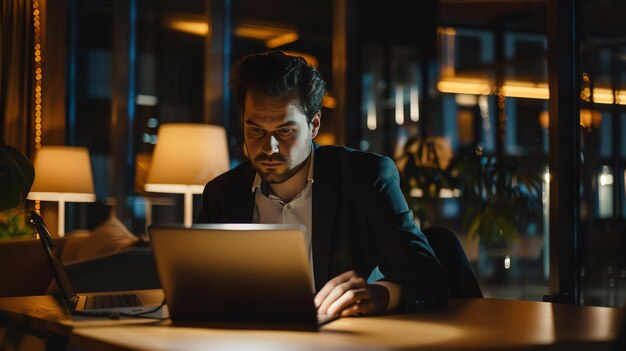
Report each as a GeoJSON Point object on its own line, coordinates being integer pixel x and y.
{"type": "Point", "coordinates": [315, 124]}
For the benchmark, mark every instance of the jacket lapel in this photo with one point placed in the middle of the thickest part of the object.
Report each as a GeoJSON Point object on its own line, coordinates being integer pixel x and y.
{"type": "Point", "coordinates": [243, 205]}
{"type": "Point", "coordinates": [324, 212]}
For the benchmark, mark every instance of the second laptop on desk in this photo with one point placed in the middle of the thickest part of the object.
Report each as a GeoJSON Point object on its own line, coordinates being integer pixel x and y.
{"type": "Point", "coordinates": [132, 303]}
{"type": "Point", "coordinates": [236, 275]}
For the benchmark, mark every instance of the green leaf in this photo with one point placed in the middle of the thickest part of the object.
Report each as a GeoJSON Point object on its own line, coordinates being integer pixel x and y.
{"type": "Point", "coordinates": [16, 177]}
{"type": "Point", "coordinates": [13, 224]}
{"type": "Point", "coordinates": [473, 228]}
{"type": "Point", "coordinates": [508, 231]}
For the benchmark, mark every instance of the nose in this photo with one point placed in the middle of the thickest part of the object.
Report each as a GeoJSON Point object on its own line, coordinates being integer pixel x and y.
{"type": "Point", "coordinates": [270, 145]}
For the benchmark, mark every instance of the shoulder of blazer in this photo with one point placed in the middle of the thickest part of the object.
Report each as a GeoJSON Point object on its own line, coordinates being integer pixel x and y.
{"type": "Point", "coordinates": [344, 162]}
{"type": "Point", "coordinates": [240, 177]}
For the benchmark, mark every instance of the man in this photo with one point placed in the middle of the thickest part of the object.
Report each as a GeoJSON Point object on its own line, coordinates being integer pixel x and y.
{"type": "Point", "coordinates": [356, 218]}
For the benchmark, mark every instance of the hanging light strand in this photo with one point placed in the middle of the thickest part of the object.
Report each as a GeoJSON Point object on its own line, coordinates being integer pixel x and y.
{"type": "Point", "coordinates": [38, 80]}
{"type": "Point", "coordinates": [38, 73]}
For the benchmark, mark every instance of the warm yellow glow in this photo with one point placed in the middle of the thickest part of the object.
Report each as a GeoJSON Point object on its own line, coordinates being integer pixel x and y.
{"type": "Point", "coordinates": [282, 40]}
{"type": "Point", "coordinates": [464, 86]}
{"type": "Point", "coordinates": [544, 119]}
{"type": "Point", "coordinates": [519, 89]}
{"type": "Point", "coordinates": [589, 118]}
{"type": "Point", "coordinates": [605, 96]}
{"type": "Point", "coordinates": [444, 193]}
{"type": "Point", "coordinates": [261, 32]}
{"type": "Point", "coordinates": [273, 36]}
{"type": "Point", "coordinates": [585, 92]}
{"type": "Point", "coordinates": [602, 96]}
{"type": "Point", "coordinates": [255, 32]}
{"type": "Point", "coordinates": [174, 164]}
{"type": "Point", "coordinates": [38, 73]}
{"type": "Point", "coordinates": [62, 171]}
{"type": "Point", "coordinates": [483, 87]}
{"type": "Point", "coordinates": [325, 139]}
{"type": "Point", "coordinates": [526, 90]}
{"type": "Point", "coordinates": [200, 28]}
{"type": "Point", "coordinates": [329, 101]}
{"type": "Point", "coordinates": [466, 100]}
{"type": "Point", "coordinates": [446, 30]}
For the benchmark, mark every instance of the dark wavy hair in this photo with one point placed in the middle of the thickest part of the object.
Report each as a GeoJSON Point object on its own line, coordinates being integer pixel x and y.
{"type": "Point", "coordinates": [279, 75]}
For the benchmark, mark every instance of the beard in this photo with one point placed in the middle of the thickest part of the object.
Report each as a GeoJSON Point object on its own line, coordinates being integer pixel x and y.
{"type": "Point", "coordinates": [279, 174]}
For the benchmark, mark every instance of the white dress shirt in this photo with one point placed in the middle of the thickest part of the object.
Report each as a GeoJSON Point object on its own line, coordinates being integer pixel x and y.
{"type": "Point", "coordinates": [270, 209]}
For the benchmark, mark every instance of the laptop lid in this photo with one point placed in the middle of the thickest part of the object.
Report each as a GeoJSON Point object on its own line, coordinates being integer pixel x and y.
{"type": "Point", "coordinates": [235, 274]}
{"type": "Point", "coordinates": [58, 271]}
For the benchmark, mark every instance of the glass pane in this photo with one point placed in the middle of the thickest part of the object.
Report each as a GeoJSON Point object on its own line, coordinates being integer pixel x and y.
{"type": "Point", "coordinates": [480, 166]}
{"type": "Point", "coordinates": [605, 193]}
{"type": "Point", "coordinates": [624, 195]}
{"type": "Point", "coordinates": [603, 267]}
{"type": "Point", "coordinates": [606, 134]}
{"type": "Point", "coordinates": [623, 133]}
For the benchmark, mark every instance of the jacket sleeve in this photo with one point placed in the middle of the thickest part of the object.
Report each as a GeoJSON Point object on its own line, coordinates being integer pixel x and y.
{"type": "Point", "coordinates": [204, 215]}
{"type": "Point", "coordinates": [404, 255]}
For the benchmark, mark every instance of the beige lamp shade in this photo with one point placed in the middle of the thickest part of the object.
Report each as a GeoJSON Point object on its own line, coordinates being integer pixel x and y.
{"type": "Point", "coordinates": [62, 172]}
{"type": "Point", "coordinates": [185, 158]}
{"type": "Point", "coordinates": [187, 155]}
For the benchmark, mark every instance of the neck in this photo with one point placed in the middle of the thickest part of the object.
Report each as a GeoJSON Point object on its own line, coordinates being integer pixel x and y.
{"type": "Point", "coordinates": [293, 186]}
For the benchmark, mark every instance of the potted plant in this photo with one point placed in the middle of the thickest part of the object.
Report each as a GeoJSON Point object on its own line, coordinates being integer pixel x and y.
{"type": "Point", "coordinates": [16, 177]}
{"type": "Point", "coordinates": [425, 170]}
{"type": "Point", "coordinates": [499, 195]}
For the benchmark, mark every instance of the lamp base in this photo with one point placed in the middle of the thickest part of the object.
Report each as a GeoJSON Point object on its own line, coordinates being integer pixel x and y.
{"type": "Point", "coordinates": [61, 231]}
{"type": "Point", "coordinates": [188, 208]}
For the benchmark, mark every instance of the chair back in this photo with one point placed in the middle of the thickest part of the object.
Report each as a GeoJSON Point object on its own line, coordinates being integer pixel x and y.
{"type": "Point", "coordinates": [450, 253]}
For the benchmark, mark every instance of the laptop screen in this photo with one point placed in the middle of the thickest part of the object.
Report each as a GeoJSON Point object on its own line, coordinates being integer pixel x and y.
{"type": "Point", "coordinates": [235, 273]}
{"type": "Point", "coordinates": [54, 258]}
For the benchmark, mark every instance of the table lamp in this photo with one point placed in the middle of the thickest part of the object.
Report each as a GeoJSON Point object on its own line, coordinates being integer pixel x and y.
{"type": "Point", "coordinates": [62, 174]}
{"type": "Point", "coordinates": [186, 157]}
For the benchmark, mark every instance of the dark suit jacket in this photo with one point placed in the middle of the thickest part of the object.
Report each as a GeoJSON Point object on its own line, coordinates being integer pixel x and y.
{"type": "Point", "coordinates": [360, 220]}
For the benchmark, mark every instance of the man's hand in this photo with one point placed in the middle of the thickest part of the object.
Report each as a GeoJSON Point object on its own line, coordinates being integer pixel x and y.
{"type": "Point", "coordinates": [349, 294]}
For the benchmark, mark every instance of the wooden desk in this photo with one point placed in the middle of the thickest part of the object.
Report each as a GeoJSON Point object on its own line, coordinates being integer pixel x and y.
{"type": "Point", "coordinates": [466, 324]}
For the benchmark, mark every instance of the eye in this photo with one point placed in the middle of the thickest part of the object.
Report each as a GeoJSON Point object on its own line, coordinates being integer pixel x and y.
{"type": "Point", "coordinates": [256, 131]}
{"type": "Point", "coordinates": [285, 131]}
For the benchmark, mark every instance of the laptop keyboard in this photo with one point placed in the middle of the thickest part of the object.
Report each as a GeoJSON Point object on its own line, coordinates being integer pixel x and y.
{"type": "Point", "coordinates": [98, 302]}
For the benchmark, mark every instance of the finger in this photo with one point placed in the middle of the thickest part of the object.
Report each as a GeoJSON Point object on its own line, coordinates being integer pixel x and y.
{"type": "Point", "coordinates": [358, 308]}
{"type": "Point", "coordinates": [339, 290]}
{"type": "Point", "coordinates": [345, 292]}
{"type": "Point", "coordinates": [351, 297]}
{"type": "Point", "coordinates": [352, 310]}
{"type": "Point", "coordinates": [332, 296]}
{"type": "Point", "coordinates": [323, 293]}
{"type": "Point", "coordinates": [330, 285]}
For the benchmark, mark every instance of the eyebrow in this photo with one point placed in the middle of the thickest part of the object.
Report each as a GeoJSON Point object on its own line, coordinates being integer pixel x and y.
{"type": "Point", "coordinates": [286, 124]}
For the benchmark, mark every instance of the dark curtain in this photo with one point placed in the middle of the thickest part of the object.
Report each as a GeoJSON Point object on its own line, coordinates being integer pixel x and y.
{"type": "Point", "coordinates": [16, 74]}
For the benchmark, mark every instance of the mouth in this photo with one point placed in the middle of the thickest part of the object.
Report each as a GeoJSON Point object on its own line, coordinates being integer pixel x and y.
{"type": "Point", "coordinates": [270, 164]}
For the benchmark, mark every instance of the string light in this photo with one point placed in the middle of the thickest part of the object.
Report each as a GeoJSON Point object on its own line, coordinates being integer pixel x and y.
{"type": "Point", "coordinates": [38, 77]}
{"type": "Point", "coordinates": [38, 81]}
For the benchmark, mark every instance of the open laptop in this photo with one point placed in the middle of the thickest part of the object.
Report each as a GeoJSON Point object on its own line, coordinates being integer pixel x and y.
{"type": "Point", "coordinates": [236, 275]}
{"type": "Point", "coordinates": [132, 303]}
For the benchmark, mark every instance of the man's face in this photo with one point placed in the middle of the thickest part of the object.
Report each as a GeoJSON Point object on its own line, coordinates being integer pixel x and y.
{"type": "Point", "coordinates": [277, 135]}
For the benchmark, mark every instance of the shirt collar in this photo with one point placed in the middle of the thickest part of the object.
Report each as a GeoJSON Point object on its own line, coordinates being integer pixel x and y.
{"type": "Point", "coordinates": [258, 183]}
